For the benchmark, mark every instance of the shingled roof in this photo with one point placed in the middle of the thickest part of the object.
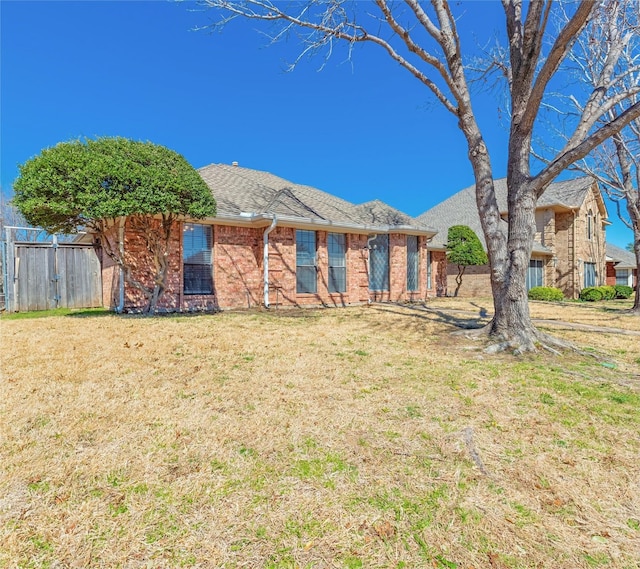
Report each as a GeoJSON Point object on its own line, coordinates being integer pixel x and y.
{"type": "Point", "coordinates": [622, 258]}
{"type": "Point", "coordinates": [461, 208]}
{"type": "Point", "coordinates": [242, 193]}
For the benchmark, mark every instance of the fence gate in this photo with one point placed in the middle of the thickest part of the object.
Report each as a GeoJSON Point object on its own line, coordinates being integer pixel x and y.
{"type": "Point", "coordinates": [45, 275]}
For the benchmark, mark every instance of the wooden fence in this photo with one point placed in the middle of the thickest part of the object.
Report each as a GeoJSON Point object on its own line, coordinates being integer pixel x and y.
{"type": "Point", "coordinates": [42, 276]}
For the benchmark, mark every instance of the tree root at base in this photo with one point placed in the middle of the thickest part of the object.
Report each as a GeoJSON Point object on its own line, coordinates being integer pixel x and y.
{"type": "Point", "coordinates": [530, 340]}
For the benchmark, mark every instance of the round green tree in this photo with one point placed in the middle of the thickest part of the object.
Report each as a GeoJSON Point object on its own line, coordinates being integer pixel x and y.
{"type": "Point", "coordinates": [109, 183]}
{"type": "Point", "coordinates": [464, 249]}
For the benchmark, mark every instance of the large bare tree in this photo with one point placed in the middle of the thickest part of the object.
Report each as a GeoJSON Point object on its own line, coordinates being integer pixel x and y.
{"type": "Point", "coordinates": [616, 163]}
{"type": "Point", "coordinates": [423, 38]}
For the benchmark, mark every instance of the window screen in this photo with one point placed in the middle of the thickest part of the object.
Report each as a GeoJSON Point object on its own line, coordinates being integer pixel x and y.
{"type": "Point", "coordinates": [379, 263]}
{"type": "Point", "coordinates": [413, 264]}
{"type": "Point", "coordinates": [589, 274]}
{"type": "Point", "coordinates": [197, 259]}
{"type": "Point", "coordinates": [306, 278]}
{"type": "Point", "coordinates": [622, 276]}
{"type": "Point", "coordinates": [534, 274]}
{"type": "Point", "coordinates": [429, 271]}
{"type": "Point", "coordinates": [337, 246]}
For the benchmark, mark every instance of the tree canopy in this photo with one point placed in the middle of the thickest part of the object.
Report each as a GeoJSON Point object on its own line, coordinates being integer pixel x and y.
{"type": "Point", "coordinates": [92, 183]}
{"type": "Point", "coordinates": [76, 183]}
{"type": "Point", "coordinates": [464, 249]}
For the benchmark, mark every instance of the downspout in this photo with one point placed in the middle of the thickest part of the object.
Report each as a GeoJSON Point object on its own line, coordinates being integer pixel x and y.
{"type": "Point", "coordinates": [265, 258]}
{"type": "Point", "coordinates": [120, 306]}
{"type": "Point", "coordinates": [369, 240]}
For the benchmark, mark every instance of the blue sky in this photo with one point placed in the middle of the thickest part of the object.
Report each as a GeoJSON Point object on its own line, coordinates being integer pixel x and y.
{"type": "Point", "coordinates": [360, 129]}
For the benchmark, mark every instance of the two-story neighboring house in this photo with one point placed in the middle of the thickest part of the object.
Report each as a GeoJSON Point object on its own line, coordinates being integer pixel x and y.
{"type": "Point", "coordinates": [569, 247]}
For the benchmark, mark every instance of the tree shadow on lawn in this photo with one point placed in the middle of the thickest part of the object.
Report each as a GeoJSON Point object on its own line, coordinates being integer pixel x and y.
{"type": "Point", "coordinates": [434, 315]}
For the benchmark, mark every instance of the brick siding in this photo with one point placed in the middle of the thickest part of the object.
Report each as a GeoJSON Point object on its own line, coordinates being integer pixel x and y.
{"type": "Point", "coordinates": [238, 269]}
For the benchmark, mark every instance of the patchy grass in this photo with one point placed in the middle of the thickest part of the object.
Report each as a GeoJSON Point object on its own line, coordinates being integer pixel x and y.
{"type": "Point", "coordinates": [363, 437]}
{"type": "Point", "coordinates": [77, 312]}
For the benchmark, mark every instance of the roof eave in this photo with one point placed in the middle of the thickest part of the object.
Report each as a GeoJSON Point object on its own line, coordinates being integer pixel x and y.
{"type": "Point", "coordinates": [264, 219]}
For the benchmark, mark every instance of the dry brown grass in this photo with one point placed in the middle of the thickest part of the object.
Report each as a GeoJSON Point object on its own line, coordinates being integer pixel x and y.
{"type": "Point", "coordinates": [314, 439]}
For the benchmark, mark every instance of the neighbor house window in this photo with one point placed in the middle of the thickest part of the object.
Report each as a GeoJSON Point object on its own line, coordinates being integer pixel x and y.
{"type": "Point", "coordinates": [622, 276]}
{"type": "Point", "coordinates": [306, 281]}
{"type": "Point", "coordinates": [429, 271]}
{"type": "Point", "coordinates": [337, 246]}
{"type": "Point", "coordinates": [534, 274]}
{"type": "Point", "coordinates": [379, 263]}
{"type": "Point", "coordinates": [590, 274]}
{"type": "Point", "coordinates": [413, 264]}
{"type": "Point", "coordinates": [197, 268]}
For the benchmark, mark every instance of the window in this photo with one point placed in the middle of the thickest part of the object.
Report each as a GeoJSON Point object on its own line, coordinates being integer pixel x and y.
{"type": "Point", "coordinates": [306, 281]}
{"type": "Point", "coordinates": [590, 274]}
{"type": "Point", "coordinates": [535, 274]}
{"type": "Point", "coordinates": [413, 262]}
{"type": "Point", "coordinates": [429, 271]}
{"type": "Point", "coordinates": [379, 263]}
{"type": "Point", "coordinates": [337, 246]}
{"type": "Point", "coordinates": [197, 259]}
{"type": "Point", "coordinates": [590, 225]}
{"type": "Point", "coordinates": [622, 277]}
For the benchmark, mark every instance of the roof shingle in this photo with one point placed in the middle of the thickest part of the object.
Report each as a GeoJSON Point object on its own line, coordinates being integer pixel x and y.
{"type": "Point", "coordinates": [241, 190]}
{"type": "Point", "coordinates": [461, 208]}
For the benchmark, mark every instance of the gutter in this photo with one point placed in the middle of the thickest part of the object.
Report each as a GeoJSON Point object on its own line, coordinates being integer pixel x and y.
{"type": "Point", "coordinates": [251, 219]}
{"type": "Point", "coordinates": [265, 244]}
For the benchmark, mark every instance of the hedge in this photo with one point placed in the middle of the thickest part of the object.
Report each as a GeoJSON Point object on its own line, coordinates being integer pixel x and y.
{"type": "Point", "coordinates": [591, 294]}
{"type": "Point", "coordinates": [547, 293]}
{"type": "Point", "coordinates": [623, 291]}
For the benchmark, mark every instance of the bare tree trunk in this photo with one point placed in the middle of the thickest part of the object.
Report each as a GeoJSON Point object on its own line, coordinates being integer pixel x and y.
{"type": "Point", "coordinates": [512, 321]}
{"type": "Point", "coordinates": [461, 269]}
{"type": "Point", "coordinates": [635, 223]}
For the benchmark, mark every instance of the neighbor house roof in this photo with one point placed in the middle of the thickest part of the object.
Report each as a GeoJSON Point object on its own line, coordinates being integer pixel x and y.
{"type": "Point", "coordinates": [461, 208]}
{"type": "Point", "coordinates": [254, 197]}
{"type": "Point", "coordinates": [621, 258]}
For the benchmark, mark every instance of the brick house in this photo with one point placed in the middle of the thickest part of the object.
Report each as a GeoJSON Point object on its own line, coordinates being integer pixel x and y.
{"type": "Point", "coordinates": [569, 244]}
{"type": "Point", "coordinates": [621, 267]}
{"type": "Point", "coordinates": [276, 243]}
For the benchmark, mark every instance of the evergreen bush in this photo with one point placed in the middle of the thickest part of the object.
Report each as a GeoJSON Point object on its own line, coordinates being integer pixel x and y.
{"type": "Point", "coordinates": [623, 291]}
{"type": "Point", "coordinates": [547, 293]}
{"type": "Point", "coordinates": [608, 292]}
{"type": "Point", "coordinates": [591, 294]}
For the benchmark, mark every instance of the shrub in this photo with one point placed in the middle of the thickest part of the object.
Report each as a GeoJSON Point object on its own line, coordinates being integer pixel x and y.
{"type": "Point", "coordinates": [623, 291]}
{"type": "Point", "coordinates": [608, 292]}
{"type": "Point", "coordinates": [547, 293]}
{"type": "Point", "coordinates": [591, 294]}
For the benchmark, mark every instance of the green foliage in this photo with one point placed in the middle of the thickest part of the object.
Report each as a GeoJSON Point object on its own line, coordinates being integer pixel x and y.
{"type": "Point", "coordinates": [547, 293]}
{"type": "Point", "coordinates": [629, 247]}
{"type": "Point", "coordinates": [623, 291]}
{"type": "Point", "coordinates": [591, 294]}
{"type": "Point", "coordinates": [73, 183]}
{"type": "Point", "coordinates": [608, 292]}
{"type": "Point", "coordinates": [595, 293]}
{"type": "Point", "coordinates": [464, 247]}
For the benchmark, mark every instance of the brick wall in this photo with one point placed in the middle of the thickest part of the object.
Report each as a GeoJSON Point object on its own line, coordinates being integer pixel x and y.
{"type": "Point", "coordinates": [238, 271]}
{"type": "Point", "coordinates": [438, 274]}
{"type": "Point", "coordinates": [476, 281]}
{"type": "Point", "coordinates": [611, 274]}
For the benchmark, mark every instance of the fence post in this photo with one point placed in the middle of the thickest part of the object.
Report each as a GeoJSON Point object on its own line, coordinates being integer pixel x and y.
{"type": "Point", "coordinates": [9, 273]}
{"type": "Point", "coordinates": [56, 275]}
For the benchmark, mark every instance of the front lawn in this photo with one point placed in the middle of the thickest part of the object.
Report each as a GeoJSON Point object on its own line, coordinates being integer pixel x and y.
{"type": "Point", "coordinates": [346, 438]}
